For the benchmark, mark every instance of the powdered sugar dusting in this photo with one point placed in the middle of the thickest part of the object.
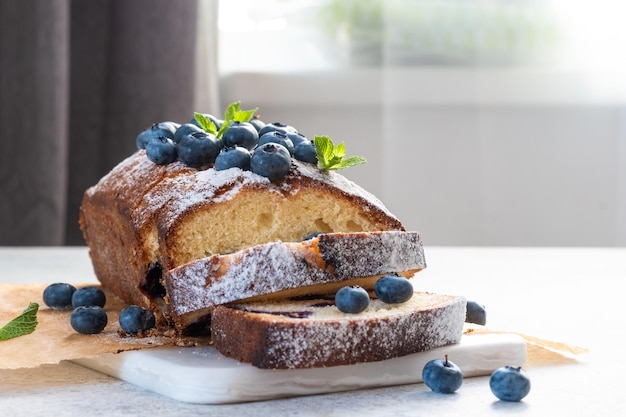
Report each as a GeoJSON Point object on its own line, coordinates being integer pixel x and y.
{"type": "Point", "coordinates": [259, 270]}
{"type": "Point", "coordinates": [329, 337]}
{"type": "Point", "coordinates": [176, 195]}
{"type": "Point", "coordinates": [170, 190]}
{"type": "Point", "coordinates": [269, 268]}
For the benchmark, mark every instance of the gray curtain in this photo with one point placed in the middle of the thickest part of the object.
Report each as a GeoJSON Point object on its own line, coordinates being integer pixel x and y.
{"type": "Point", "coordinates": [79, 79]}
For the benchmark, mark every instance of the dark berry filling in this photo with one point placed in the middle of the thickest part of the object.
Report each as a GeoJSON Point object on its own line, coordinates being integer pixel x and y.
{"type": "Point", "coordinates": [153, 287]}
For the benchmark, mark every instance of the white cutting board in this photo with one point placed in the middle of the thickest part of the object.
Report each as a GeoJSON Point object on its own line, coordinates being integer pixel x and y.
{"type": "Point", "coordinates": [204, 376]}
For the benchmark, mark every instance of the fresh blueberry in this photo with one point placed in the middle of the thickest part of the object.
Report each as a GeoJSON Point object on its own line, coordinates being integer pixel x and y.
{"type": "Point", "coordinates": [186, 130]}
{"type": "Point", "coordinates": [163, 129]}
{"type": "Point", "coordinates": [169, 126]}
{"type": "Point", "coordinates": [352, 299]}
{"type": "Point", "coordinates": [257, 123]}
{"type": "Point", "coordinates": [241, 134]}
{"type": "Point", "coordinates": [475, 313]}
{"type": "Point", "coordinates": [442, 376]}
{"type": "Point", "coordinates": [135, 319]}
{"type": "Point", "coordinates": [198, 149]}
{"type": "Point", "coordinates": [305, 152]}
{"type": "Point", "coordinates": [88, 296]}
{"type": "Point", "coordinates": [277, 137]}
{"type": "Point", "coordinates": [276, 126]}
{"type": "Point", "coordinates": [233, 157]}
{"type": "Point", "coordinates": [297, 138]}
{"type": "Point", "coordinates": [58, 296]}
{"type": "Point", "coordinates": [271, 160]}
{"type": "Point", "coordinates": [393, 289]}
{"type": "Point", "coordinates": [509, 383]}
{"type": "Point", "coordinates": [143, 138]}
{"type": "Point", "coordinates": [88, 320]}
{"type": "Point", "coordinates": [161, 150]}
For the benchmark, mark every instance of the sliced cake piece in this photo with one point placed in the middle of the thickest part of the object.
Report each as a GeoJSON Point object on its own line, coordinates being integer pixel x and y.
{"type": "Point", "coordinates": [283, 269]}
{"type": "Point", "coordinates": [312, 332]}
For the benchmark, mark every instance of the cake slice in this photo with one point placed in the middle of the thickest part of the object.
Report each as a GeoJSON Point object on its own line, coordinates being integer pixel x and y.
{"type": "Point", "coordinates": [283, 269]}
{"type": "Point", "coordinates": [312, 332]}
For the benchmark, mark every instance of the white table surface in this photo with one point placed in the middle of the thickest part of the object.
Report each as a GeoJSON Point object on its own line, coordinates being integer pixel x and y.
{"type": "Point", "coordinates": [571, 295]}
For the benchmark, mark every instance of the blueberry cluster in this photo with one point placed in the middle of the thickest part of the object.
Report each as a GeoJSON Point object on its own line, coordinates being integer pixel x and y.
{"type": "Point", "coordinates": [508, 383]}
{"type": "Point", "coordinates": [87, 305]}
{"type": "Point", "coordinates": [390, 289]}
{"type": "Point", "coordinates": [88, 315]}
{"type": "Point", "coordinates": [265, 149]}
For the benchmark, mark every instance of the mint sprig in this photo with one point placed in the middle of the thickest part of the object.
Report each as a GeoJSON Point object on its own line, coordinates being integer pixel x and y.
{"type": "Point", "coordinates": [205, 123]}
{"type": "Point", "coordinates": [22, 325]}
{"type": "Point", "coordinates": [333, 157]}
{"type": "Point", "coordinates": [233, 113]}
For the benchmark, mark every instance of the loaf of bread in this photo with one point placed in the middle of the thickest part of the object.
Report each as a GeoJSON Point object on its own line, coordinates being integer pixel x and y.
{"type": "Point", "coordinates": [275, 270]}
{"type": "Point", "coordinates": [143, 220]}
{"type": "Point", "coordinates": [312, 332]}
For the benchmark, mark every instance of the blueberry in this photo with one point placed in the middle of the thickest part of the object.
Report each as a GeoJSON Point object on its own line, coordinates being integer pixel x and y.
{"type": "Point", "coordinates": [58, 296]}
{"type": "Point", "coordinates": [233, 157]}
{"type": "Point", "coordinates": [509, 383]}
{"type": "Point", "coordinates": [393, 289]}
{"type": "Point", "coordinates": [276, 126]}
{"type": "Point", "coordinates": [271, 160]}
{"type": "Point", "coordinates": [277, 137]}
{"type": "Point", "coordinates": [352, 299]}
{"type": "Point", "coordinates": [169, 126]}
{"type": "Point", "coordinates": [257, 123]}
{"type": "Point", "coordinates": [305, 152]}
{"type": "Point", "coordinates": [88, 320]}
{"type": "Point", "coordinates": [161, 150]}
{"type": "Point", "coordinates": [241, 134]}
{"type": "Point", "coordinates": [88, 296]}
{"type": "Point", "coordinates": [297, 138]}
{"type": "Point", "coordinates": [143, 138]}
{"type": "Point", "coordinates": [475, 313]}
{"type": "Point", "coordinates": [186, 130]}
{"type": "Point", "coordinates": [198, 149]}
{"type": "Point", "coordinates": [135, 319]}
{"type": "Point", "coordinates": [163, 129]}
{"type": "Point", "coordinates": [442, 376]}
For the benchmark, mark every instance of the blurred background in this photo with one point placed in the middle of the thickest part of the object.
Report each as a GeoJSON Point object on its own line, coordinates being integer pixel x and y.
{"type": "Point", "coordinates": [484, 122]}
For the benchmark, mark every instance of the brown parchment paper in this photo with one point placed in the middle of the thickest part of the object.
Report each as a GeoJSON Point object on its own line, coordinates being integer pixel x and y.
{"type": "Point", "coordinates": [54, 339]}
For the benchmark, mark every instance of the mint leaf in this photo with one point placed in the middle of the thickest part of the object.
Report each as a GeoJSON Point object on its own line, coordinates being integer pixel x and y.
{"type": "Point", "coordinates": [233, 113]}
{"type": "Point", "coordinates": [331, 157]}
{"type": "Point", "coordinates": [205, 123]}
{"type": "Point", "coordinates": [22, 325]}
{"type": "Point", "coordinates": [243, 116]}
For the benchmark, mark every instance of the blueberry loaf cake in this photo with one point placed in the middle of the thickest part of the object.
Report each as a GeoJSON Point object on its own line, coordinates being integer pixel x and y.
{"type": "Point", "coordinates": [245, 230]}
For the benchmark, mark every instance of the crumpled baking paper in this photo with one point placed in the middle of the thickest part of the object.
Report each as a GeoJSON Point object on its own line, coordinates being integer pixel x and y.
{"type": "Point", "coordinates": [54, 340]}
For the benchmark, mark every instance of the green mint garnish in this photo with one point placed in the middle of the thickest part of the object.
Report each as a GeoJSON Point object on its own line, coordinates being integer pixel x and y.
{"type": "Point", "coordinates": [205, 123]}
{"type": "Point", "coordinates": [233, 113]}
{"type": "Point", "coordinates": [331, 157]}
{"type": "Point", "coordinates": [22, 325]}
